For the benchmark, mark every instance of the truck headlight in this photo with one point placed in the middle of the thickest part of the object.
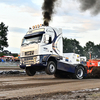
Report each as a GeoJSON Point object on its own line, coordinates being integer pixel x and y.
{"type": "Point", "coordinates": [38, 59]}
{"type": "Point", "coordinates": [21, 60]}
{"type": "Point", "coordinates": [22, 53]}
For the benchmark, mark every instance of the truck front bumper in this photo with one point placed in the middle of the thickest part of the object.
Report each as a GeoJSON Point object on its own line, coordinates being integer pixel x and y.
{"type": "Point", "coordinates": [35, 66]}
{"type": "Point", "coordinates": [33, 61]}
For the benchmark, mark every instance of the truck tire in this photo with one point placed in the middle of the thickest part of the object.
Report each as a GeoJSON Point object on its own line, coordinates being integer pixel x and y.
{"type": "Point", "coordinates": [79, 72]}
{"type": "Point", "coordinates": [30, 71]}
{"type": "Point", "coordinates": [51, 68]}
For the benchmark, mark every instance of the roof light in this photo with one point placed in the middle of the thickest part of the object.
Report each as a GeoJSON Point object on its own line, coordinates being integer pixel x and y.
{"type": "Point", "coordinates": [33, 27]}
{"type": "Point", "coordinates": [37, 26]}
{"type": "Point", "coordinates": [40, 25]}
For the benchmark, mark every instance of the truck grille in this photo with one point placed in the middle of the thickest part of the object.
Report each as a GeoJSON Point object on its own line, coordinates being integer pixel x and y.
{"type": "Point", "coordinates": [29, 60]}
{"type": "Point", "coordinates": [29, 53]}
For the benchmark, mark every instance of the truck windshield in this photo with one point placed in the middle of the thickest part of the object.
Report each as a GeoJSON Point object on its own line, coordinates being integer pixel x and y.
{"type": "Point", "coordinates": [33, 39]}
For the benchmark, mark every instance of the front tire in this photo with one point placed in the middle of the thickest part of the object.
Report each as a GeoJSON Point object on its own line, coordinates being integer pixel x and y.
{"type": "Point", "coordinates": [79, 72]}
{"type": "Point", "coordinates": [51, 68]}
{"type": "Point", "coordinates": [30, 71]}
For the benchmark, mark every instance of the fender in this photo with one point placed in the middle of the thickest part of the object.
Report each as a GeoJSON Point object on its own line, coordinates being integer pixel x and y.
{"type": "Point", "coordinates": [47, 57]}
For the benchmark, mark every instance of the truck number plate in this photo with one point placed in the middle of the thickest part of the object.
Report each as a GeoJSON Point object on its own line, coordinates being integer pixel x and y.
{"type": "Point", "coordinates": [28, 65]}
{"type": "Point", "coordinates": [99, 64]}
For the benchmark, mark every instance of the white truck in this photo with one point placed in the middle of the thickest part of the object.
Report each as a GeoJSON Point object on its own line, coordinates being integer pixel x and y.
{"type": "Point", "coordinates": [42, 49]}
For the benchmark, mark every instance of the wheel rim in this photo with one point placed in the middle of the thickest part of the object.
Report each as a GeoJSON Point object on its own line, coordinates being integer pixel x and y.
{"type": "Point", "coordinates": [80, 73]}
{"type": "Point", "coordinates": [52, 68]}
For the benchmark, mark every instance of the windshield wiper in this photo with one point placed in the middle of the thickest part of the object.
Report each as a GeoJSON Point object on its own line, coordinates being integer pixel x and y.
{"type": "Point", "coordinates": [29, 43]}
{"type": "Point", "coordinates": [33, 42]}
{"type": "Point", "coordinates": [24, 44]}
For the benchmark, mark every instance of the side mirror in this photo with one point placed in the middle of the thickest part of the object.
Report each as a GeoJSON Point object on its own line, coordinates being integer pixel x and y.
{"type": "Point", "coordinates": [22, 41]}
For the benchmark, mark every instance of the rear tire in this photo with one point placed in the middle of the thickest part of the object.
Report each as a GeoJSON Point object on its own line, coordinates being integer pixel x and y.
{"type": "Point", "coordinates": [79, 72]}
{"type": "Point", "coordinates": [30, 71]}
{"type": "Point", "coordinates": [51, 68]}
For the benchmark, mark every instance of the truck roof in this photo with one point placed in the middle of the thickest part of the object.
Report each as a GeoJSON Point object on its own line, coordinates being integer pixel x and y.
{"type": "Point", "coordinates": [42, 30]}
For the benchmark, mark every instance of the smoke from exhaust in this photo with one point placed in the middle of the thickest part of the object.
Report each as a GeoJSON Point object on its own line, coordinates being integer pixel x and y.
{"type": "Point", "coordinates": [48, 10]}
{"type": "Point", "coordinates": [92, 5]}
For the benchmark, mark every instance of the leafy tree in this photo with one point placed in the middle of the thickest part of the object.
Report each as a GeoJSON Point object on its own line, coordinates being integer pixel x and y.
{"type": "Point", "coordinates": [89, 46]}
{"type": "Point", "coordinates": [15, 55]}
{"type": "Point", "coordinates": [3, 36]}
{"type": "Point", "coordinates": [1, 54]}
{"type": "Point", "coordinates": [92, 49]}
{"type": "Point", "coordinates": [96, 51]}
{"type": "Point", "coordinates": [72, 45]}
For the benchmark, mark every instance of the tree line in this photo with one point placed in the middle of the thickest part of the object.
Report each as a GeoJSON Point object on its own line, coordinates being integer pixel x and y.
{"type": "Point", "coordinates": [72, 45]}
{"type": "Point", "coordinates": [3, 36]}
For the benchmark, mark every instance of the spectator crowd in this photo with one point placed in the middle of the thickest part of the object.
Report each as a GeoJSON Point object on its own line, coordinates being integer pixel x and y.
{"type": "Point", "coordinates": [9, 59]}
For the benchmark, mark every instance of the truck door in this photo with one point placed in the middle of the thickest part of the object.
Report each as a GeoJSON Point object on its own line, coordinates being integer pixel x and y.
{"type": "Point", "coordinates": [46, 46]}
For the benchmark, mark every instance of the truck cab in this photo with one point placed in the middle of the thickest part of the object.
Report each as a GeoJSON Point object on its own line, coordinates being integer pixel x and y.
{"type": "Point", "coordinates": [42, 49]}
{"type": "Point", "coordinates": [38, 45]}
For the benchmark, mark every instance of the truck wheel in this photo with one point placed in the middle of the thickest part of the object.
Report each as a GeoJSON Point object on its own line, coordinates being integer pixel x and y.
{"type": "Point", "coordinates": [51, 68]}
{"type": "Point", "coordinates": [79, 73]}
{"type": "Point", "coordinates": [30, 71]}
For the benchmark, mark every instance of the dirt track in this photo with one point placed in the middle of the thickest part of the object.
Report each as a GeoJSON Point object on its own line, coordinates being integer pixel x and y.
{"type": "Point", "coordinates": [10, 68]}
{"type": "Point", "coordinates": [22, 87]}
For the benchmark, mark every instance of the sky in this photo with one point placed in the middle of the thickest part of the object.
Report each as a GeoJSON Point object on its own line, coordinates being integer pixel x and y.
{"type": "Point", "coordinates": [19, 15]}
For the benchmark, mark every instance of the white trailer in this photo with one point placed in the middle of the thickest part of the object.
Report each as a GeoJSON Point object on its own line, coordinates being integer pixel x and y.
{"type": "Point", "coordinates": [42, 49]}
